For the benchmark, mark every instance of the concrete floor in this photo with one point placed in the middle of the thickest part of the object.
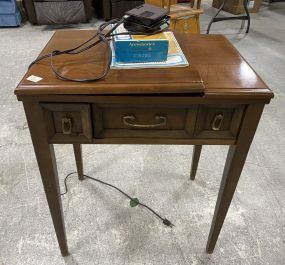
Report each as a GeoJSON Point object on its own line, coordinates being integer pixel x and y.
{"type": "Point", "coordinates": [101, 227]}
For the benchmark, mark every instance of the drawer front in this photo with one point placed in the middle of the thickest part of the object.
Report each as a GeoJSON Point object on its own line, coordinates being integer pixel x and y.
{"type": "Point", "coordinates": [221, 121]}
{"type": "Point", "coordinates": [68, 123]}
{"type": "Point", "coordinates": [143, 121]}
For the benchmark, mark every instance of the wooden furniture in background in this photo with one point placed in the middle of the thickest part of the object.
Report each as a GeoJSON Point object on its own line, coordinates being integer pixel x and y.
{"type": "Point", "coordinates": [218, 100]}
{"type": "Point", "coordinates": [183, 17]}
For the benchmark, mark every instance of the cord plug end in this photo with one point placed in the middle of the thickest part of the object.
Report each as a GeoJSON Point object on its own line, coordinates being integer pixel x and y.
{"type": "Point", "coordinates": [167, 222]}
{"type": "Point", "coordinates": [134, 202]}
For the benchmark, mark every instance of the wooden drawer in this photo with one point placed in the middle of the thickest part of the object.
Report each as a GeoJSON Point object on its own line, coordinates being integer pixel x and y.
{"type": "Point", "coordinates": [143, 121]}
{"type": "Point", "coordinates": [218, 121]}
{"type": "Point", "coordinates": [68, 123]}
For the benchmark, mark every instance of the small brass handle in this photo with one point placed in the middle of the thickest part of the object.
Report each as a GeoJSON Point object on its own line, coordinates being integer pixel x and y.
{"type": "Point", "coordinates": [129, 121]}
{"type": "Point", "coordinates": [66, 125]}
{"type": "Point", "coordinates": [217, 122]}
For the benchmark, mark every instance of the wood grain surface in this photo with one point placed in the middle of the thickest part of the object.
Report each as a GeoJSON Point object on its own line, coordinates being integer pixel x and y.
{"type": "Point", "coordinates": [216, 68]}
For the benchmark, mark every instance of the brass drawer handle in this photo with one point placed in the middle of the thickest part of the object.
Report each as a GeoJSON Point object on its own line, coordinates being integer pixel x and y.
{"type": "Point", "coordinates": [129, 120]}
{"type": "Point", "coordinates": [217, 122]}
{"type": "Point", "coordinates": [66, 125]}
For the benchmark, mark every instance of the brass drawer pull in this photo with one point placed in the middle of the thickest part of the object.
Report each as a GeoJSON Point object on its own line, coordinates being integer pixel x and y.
{"type": "Point", "coordinates": [66, 125]}
{"type": "Point", "coordinates": [217, 122]}
{"type": "Point", "coordinates": [129, 120]}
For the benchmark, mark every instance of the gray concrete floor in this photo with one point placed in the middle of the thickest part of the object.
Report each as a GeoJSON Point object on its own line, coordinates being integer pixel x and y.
{"type": "Point", "coordinates": [101, 227]}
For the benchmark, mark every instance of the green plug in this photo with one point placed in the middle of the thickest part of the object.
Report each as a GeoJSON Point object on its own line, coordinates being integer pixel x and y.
{"type": "Point", "coordinates": [134, 202]}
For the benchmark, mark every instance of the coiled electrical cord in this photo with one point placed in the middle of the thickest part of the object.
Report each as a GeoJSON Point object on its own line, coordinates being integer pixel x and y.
{"type": "Point", "coordinates": [102, 37]}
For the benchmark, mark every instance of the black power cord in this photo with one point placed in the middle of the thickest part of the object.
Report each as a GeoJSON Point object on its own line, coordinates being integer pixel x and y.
{"type": "Point", "coordinates": [102, 37]}
{"type": "Point", "coordinates": [133, 201]}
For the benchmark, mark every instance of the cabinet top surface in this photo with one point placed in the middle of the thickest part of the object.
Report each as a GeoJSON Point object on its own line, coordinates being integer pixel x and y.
{"type": "Point", "coordinates": [216, 69]}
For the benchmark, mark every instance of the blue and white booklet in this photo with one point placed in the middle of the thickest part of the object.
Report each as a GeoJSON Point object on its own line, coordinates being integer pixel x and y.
{"type": "Point", "coordinates": [175, 56]}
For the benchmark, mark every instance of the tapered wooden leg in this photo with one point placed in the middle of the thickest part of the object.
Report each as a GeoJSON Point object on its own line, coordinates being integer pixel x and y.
{"type": "Point", "coordinates": [48, 170]}
{"type": "Point", "coordinates": [234, 164]}
{"type": "Point", "coordinates": [195, 160]}
{"type": "Point", "coordinates": [78, 159]}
